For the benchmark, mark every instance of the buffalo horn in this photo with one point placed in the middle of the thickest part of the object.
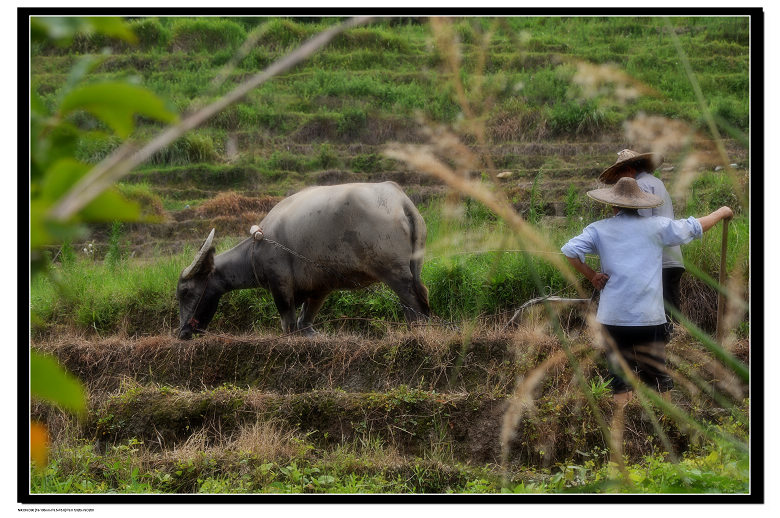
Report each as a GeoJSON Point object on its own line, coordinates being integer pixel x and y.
{"type": "Point", "coordinates": [191, 269]}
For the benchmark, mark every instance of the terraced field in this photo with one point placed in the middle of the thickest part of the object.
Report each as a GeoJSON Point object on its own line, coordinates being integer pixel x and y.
{"type": "Point", "coordinates": [383, 409]}
{"type": "Point", "coordinates": [331, 120]}
{"type": "Point", "coordinates": [368, 405]}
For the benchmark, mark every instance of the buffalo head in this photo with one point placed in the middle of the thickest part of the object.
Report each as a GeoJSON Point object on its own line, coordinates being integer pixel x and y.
{"type": "Point", "coordinates": [198, 292]}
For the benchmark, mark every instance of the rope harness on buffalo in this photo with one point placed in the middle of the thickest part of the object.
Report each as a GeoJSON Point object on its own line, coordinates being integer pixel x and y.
{"type": "Point", "coordinates": [258, 236]}
{"type": "Point", "coordinates": [193, 322]}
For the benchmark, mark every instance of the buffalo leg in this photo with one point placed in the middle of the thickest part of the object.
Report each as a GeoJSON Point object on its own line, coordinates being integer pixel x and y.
{"type": "Point", "coordinates": [309, 310]}
{"type": "Point", "coordinates": [414, 310]}
{"type": "Point", "coordinates": [285, 303]}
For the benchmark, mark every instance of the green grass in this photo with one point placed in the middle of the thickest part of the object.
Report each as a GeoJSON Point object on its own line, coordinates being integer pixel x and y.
{"type": "Point", "coordinates": [151, 204]}
{"type": "Point", "coordinates": [206, 34]}
{"type": "Point", "coordinates": [101, 297]}
{"type": "Point", "coordinates": [382, 76]}
{"type": "Point", "coordinates": [716, 472]}
{"type": "Point", "coordinates": [80, 468]}
{"type": "Point", "coordinates": [462, 284]}
{"type": "Point", "coordinates": [202, 175]}
{"type": "Point", "coordinates": [242, 472]}
{"type": "Point", "coordinates": [388, 69]}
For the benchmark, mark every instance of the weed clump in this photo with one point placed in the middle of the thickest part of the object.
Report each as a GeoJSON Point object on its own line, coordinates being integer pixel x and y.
{"type": "Point", "coordinates": [150, 32]}
{"type": "Point", "coordinates": [206, 35]}
{"type": "Point", "coordinates": [576, 118]}
{"type": "Point", "coordinates": [189, 149]}
{"type": "Point", "coordinates": [280, 34]}
{"type": "Point", "coordinates": [151, 204]}
{"type": "Point", "coordinates": [96, 145]}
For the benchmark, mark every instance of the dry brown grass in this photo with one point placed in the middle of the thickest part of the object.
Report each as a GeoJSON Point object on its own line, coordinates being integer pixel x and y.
{"type": "Point", "coordinates": [520, 126]}
{"type": "Point", "coordinates": [699, 302]}
{"type": "Point", "coordinates": [205, 453]}
{"type": "Point", "coordinates": [522, 400]}
{"type": "Point", "coordinates": [266, 439]}
{"type": "Point", "coordinates": [424, 356]}
{"type": "Point", "coordinates": [231, 204]}
{"type": "Point", "coordinates": [699, 374]}
{"type": "Point", "coordinates": [269, 440]}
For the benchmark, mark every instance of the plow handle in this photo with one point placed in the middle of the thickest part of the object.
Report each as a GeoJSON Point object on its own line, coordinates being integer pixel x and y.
{"type": "Point", "coordinates": [719, 331]}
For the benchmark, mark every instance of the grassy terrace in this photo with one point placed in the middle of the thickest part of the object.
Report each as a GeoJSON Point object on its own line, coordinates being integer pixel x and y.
{"type": "Point", "coordinates": [386, 69]}
{"type": "Point", "coordinates": [339, 109]}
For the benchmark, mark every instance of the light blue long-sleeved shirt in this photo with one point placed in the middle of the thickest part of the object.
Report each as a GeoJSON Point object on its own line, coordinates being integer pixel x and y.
{"type": "Point", "coordinates": [630, 247]}
{"type": "Point", "coordinates": [672, 256]}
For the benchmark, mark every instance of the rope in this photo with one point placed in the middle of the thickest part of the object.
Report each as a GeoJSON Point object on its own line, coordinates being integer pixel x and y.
{"type": "Point", "coordinates": [551, 297]}
{"type": "Point", "coordinates": [444, 323]}
{"type": "Point", "coordinates": [504, 250]}
{"type": "Point", "coordinates": [192, 322]}
{"type": "Point", "coordinates": [259, 236]}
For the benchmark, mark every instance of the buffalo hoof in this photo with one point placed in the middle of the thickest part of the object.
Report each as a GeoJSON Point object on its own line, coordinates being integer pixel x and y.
{"type": "Point", "coordinates": [308, 331]}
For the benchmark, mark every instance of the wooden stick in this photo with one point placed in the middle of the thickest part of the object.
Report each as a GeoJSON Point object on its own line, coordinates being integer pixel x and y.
{"type": "Point", "coordinates": [719, 331]}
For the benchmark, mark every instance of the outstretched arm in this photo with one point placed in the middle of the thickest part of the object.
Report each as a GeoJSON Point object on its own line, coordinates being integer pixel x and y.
{"type": "Point", "coordinates": [710, 220]}
{"type": "Point", "coordinates": [598, 280]}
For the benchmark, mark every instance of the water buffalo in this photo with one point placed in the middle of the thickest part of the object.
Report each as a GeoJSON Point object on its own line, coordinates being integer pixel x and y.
{"type": "Point", "coordinates": [311, 243]}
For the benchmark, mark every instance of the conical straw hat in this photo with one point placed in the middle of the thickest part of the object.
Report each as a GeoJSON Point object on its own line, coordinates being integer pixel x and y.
{"type": "Point", "coordinates": [628, 157]}
{"type": "Point", "coordinates": [627, 194]}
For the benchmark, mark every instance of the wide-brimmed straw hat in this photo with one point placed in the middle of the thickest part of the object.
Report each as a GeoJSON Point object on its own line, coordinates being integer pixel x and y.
{"type": "Point", "coordinates": [651, 161]}
{"type": "Point", "coordinates": [627, 194]}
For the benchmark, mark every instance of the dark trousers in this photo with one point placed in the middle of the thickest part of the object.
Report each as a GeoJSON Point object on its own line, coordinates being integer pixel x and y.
{"type": "Point", "coordinates": [642, 349]}
{"type": "Point", "coordinates": [671, 283]}
{"type": "Point", "coordinates": [671, 279]}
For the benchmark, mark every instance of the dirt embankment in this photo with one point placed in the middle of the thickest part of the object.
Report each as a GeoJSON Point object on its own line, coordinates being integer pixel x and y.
{"type": "Point", "coordinates": [410, 390]}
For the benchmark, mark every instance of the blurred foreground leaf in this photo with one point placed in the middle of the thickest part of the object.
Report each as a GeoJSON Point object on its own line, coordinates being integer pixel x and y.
{"type": "Point", "coordinates": [49, 381]}
{"type": "Point", "coordinates": [115, 103]}
{"type": "Point", "coordinates": [109, 206]}
{"type": "Point", "coordinates": [112, 26]}
{"type": "Point", "coordinates": [62, 29]}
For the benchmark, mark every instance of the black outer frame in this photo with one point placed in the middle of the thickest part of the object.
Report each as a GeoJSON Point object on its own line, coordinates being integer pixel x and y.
{"type": "Point", "coordinates": [757, 367]}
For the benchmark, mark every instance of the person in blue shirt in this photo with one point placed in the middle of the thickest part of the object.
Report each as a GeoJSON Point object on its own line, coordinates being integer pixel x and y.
{"type": "Point", "coordinates": [631, 308]}
{"type": "Point", "coordinates": [640, 167]}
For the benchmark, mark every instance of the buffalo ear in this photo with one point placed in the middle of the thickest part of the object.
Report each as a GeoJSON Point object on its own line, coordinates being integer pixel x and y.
{"type": "Point", "coordinates": [208, 262]}
{"type": "Point", "coordinates": [204, 259]}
